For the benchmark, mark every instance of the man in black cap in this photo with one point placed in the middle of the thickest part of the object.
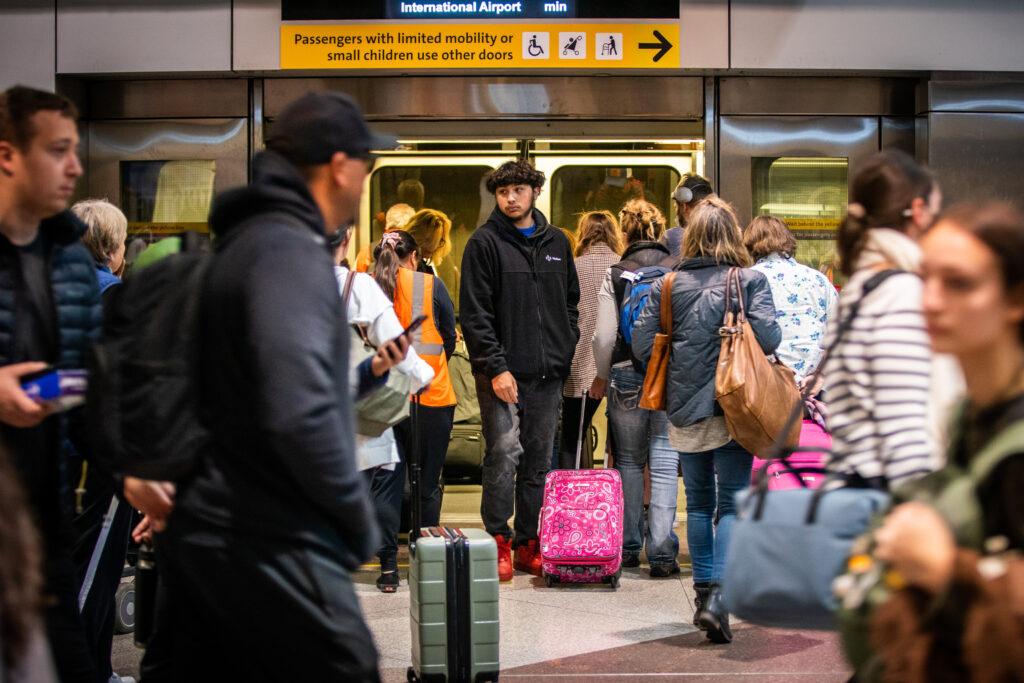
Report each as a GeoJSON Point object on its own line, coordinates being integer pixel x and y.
{"type": "Point", "coordinates": [259, 549]}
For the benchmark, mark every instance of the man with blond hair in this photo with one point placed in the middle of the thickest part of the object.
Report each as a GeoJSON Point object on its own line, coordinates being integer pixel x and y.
{"type": "Point", "coordinates": [107, 230]}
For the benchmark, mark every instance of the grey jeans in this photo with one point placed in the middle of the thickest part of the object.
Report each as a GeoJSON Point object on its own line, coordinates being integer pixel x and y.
{"type": "Point", "coordinates": [519, 441]}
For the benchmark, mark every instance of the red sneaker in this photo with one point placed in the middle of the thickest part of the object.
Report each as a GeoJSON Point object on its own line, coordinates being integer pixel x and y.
{"type": "Point", "coordinates": [504, 558]}
{"type": "Point", "coordinates": [528, 558]}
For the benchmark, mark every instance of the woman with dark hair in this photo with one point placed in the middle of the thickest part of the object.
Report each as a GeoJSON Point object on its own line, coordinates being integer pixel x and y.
{"type": "Point", "coordinates": [887, 397]}
{"type": "Point", "coordinates": [960, 615]}
{"type": "Point", "coordinates": [598, 247]}
{"type": "Point", "coordinates": [804, 298]}
{"type": "Point", "coordinates": [414, 293]}
{"type": "Point", "coordinates": [24, 657]}
{"type": "Point", "coordinates": [638, 436]}
{"type": "Point", "coordinates": [714, 466]}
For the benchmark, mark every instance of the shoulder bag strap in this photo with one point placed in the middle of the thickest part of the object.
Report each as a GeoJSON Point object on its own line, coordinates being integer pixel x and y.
{"type": "Point", "coordinates": [666, 304]}
{"type": "Point", "coordinates": [346, 295]}
{"type": "Point", "coordinates": [845, 325]}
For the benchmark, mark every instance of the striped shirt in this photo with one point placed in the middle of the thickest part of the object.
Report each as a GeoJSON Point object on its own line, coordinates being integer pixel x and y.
{"type": "Point", "coordinates": [878, 381]}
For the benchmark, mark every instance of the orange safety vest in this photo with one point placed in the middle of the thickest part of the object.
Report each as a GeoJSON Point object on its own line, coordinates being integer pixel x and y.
{"type": "Point", "coordinates": [414, 296]}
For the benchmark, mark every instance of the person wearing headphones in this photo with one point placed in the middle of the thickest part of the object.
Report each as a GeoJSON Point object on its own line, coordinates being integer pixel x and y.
{"type": "Point", "coordinates": [691, 190]}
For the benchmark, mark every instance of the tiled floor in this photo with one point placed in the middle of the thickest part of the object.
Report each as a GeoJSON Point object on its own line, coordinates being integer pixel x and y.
{"type": "Point", "coordinates": [642, 631]}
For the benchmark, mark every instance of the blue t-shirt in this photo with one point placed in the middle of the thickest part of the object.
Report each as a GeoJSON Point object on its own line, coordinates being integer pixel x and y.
{"type": "Point", "coordinates": [528, 231]}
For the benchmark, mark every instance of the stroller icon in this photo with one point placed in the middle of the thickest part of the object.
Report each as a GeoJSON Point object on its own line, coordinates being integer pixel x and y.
{"type": "Point", "coordinates": [572, 46]}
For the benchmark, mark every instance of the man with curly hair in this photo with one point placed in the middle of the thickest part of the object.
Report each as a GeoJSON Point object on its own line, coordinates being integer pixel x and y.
{"type": "Point", "coordinates": [519, 297]}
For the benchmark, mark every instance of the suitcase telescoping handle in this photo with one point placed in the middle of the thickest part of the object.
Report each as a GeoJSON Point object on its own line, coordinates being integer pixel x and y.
{"type": "Point", "coordinates": [579, 435]}
{"type": "Point", "coordinates": [414, 471]}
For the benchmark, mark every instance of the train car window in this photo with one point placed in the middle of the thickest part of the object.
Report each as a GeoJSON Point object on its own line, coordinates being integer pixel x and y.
{"type": "Point", "coordinates": [162, 198]}
{"type": "Point", "coordinates": [458, 191]}
{"type": "Point", "coordinates": [576, 189]}
{"type": "Point", "coordinates": [810, 194]}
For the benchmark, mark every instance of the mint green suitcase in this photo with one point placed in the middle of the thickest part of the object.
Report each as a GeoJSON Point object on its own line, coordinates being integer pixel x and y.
{"type": "Point", "coordinates": [453, 582]}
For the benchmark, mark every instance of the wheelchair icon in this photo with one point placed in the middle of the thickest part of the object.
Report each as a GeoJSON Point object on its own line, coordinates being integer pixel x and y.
{"type": "Point", "coordinates": [534, 49]}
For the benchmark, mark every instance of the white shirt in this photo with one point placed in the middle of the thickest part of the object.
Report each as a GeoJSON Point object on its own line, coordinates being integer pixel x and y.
{"type": "Point", "coordinates": [369, 306]}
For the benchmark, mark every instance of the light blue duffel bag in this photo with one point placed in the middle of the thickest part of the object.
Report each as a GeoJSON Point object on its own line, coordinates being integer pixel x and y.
{"type": "Point", "coordinates": [786, 548]}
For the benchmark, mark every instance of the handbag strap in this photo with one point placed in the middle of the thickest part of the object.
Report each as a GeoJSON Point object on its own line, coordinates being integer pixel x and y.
{"type": "Point", "coordinates": [666, 303]}
{"type": "Point", "coordinates": [346, 296]}
{"type": "Point", "coordinates": [733, 282]}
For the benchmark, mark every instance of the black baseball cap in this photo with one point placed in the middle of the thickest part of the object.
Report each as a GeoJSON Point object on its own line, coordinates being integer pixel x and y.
{"type": "Point", "coordinates": [312, 128]}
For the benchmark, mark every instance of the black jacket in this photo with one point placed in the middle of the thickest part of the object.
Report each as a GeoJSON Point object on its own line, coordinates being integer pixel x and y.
{"type": "Point", "coordinates": [637, 255]}
{"type": "Point", "coordinates": [275, 384]}
{"type": "Point", "coordinates": [518, 300]}
{"type": "Point", "coordinates": [698, 307]}
{"type": "Point", "coordinates": [38, 453]}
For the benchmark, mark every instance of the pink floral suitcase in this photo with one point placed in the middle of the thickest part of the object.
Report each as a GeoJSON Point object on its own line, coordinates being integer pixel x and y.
{"type": "Point", "coordinates": [812, 436]}
{"type": "Point", "coordinates": [581, 527]}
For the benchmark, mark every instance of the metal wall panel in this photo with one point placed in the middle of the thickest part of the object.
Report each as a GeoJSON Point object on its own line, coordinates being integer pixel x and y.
{"type": "Point", "coordinates": [111, 142]}
{"type": "Point", "coordinates": [465, 97]}
{"type": "Point", "coordinates": [256, 26]}
{"type": "Point", "coordinates": [704, 34]}
{"type": "Point", "coordinates": [205, 98]}
{"type": "Point", "coordinates": [809, 95]}
{"type": "Point", "coordinates": [976, 96]}
{"type": "Point", "coordinates": [135, 36]}
{"type": "Point", "coordinates": [27, 44]}
{"type": "Point", "coordinates": [744, 138]}
{"type": "Point", "coordinates": [899, 133]}
{"type": "Point", "coordinates": [877, 34]}
{"type": "Point", "coordinates": [977, 156]}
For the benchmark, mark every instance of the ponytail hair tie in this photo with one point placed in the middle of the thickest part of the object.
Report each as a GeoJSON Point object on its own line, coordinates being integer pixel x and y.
{"type": "Point", "coordinates": [856, 210]}
{"type": "Point", "coordinates": [391, 239]}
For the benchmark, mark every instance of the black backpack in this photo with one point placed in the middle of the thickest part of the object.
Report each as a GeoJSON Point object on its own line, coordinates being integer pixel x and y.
{"type": "Point", "coordinates": [143, 404]}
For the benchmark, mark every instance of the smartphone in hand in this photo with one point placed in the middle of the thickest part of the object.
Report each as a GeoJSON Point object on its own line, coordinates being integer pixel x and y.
{"type": "Point", "coordinates": [59, 389]}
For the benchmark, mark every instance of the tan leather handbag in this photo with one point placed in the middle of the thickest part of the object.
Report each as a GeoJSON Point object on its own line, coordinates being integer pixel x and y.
{"type": "Point", "coordinates": [757, 395]}
{"type": "Point", "coordinates": [656, 379]}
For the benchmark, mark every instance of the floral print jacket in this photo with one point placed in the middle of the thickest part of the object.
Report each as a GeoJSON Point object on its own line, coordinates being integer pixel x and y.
{"type": "Point", "coordinates": [804, 302]}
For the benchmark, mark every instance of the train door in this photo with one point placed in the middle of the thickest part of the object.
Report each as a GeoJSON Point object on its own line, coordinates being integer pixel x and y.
{"type": "Point", "coordinates": [796, 168]}
{"type": "Point", "coordinates": [599, 180]}
{"type": "Point", "coordinates": [453, 183]}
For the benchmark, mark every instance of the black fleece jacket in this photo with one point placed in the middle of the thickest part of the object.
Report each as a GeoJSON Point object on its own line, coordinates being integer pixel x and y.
{"type": "Point", "coordinates": [518, 300]}
{"type": "Point", "coordinates": [275, 382]}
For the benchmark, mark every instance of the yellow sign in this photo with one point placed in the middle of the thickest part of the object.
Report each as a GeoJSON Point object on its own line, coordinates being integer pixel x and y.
{"type": "Point", "coordinates": [480, 46]}
{"type": "Point", "coordinates": [805, 223]}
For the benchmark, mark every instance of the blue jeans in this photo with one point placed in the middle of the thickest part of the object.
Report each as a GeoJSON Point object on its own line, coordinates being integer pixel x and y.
{"type": "Point", "coordinates": [712, 479]}
{"type": "Point", "coordinates": [640, 437]}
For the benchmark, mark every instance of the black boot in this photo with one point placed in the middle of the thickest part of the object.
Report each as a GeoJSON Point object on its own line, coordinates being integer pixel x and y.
{"type": "Point", "coordinates": [714, 619]}
{"type": "Point", "coordinates": [700, 602]}
{"type": "Point", "coordinates": [388, 580]}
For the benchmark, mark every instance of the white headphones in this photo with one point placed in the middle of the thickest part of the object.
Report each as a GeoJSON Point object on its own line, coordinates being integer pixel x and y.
{"type": "Point", "coordinates": [683, 194]}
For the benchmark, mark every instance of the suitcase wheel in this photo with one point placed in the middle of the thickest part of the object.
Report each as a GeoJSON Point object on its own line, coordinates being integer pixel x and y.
{"type": "Point", "coordinates": [550, 580]}
{"type": "Point", "coordinates": [410, 675]}
{"type": "Point", "coordinates": [613, 580]}
{"type": "Point", "coordinates": [124, 608]}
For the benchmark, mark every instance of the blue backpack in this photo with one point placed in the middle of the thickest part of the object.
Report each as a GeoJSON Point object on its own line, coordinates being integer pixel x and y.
{"type": "Point", "coordinates": [635, 296]}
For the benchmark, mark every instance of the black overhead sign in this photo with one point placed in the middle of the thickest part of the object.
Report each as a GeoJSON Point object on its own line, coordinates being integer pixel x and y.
{"type": "Point", "coordinates": [349, 10]}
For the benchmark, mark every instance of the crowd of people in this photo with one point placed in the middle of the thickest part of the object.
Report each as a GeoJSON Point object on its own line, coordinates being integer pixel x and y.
{"type": "Point", "coordinates": [296, 486]}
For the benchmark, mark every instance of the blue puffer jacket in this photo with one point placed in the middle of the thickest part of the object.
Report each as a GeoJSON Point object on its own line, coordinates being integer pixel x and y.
{"type": "Point", "coordinates": [76, 294]}
{"type": "Point", "coordinates": [698, 307]}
